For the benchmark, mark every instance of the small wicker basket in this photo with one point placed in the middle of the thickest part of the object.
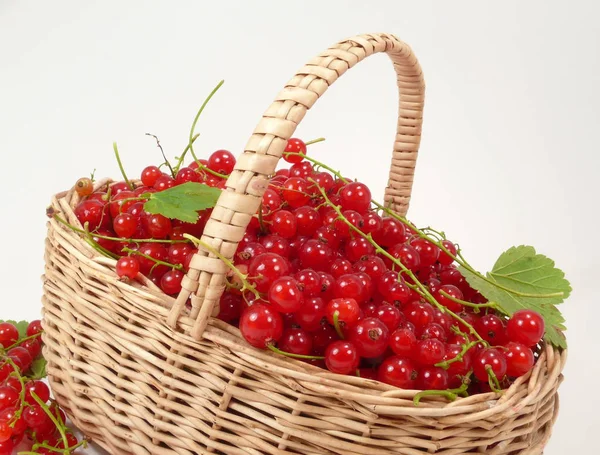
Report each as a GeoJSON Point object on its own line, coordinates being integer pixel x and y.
{"type": "Point", "coordinates": [140, 374]}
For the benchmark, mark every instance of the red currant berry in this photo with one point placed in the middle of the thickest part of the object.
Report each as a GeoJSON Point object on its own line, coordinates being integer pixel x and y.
{"type": "Point", "coordinates": [9, 334]}
{"type": "Point", "coordinates": [221, 161]}
{"type": "Point", "coordinates": [407, 255]}
{"type": "Point", "coordinates": [370, 336]}
{"type": "Point", "coordinates": [430, 351]}
{"type": "Point", "coordinates": [230, 307]}
{"type": "Point", "coordinates": [519, 359]}
{"type": "Point", "coordinates": [170, 283]}
{"type": "Point", "coordinates": [403, 342]}
{"type": "Point", "coordinates": [34, 328]}
{"type": "Point", "coordinates": [358, 248]}
{"type": "Point", "coordinates": [392, 232]}
{"type": "Point", "coordinates": [311, 314]}
{"type": "Point", "coordinates": [164, 182]}
{"type": "Point", "coordinates": [489, 358]}
{"type": "Point", "coordinates": [372, 266]}
{"type": "Point", "coordinates": [292, 149]}
{"type": "Point", "coordinates": [309, 282]}
{"type": "Point", "coordinates": [150, 175]}
{"type": "Point", "coordinates": [295, 341]}
{"type": "Point", "coordinates": [350, 286]}
{"type": "Point", "coordinates": [491, 328]}
{"type": "Point", "coordinates": [8, 397]}
{"type": "Point", "coordinates": [433, 378]}
{"type": "Point", "coordinates": [93, 213]}
{"type": "Point", "coordinates": [444, 258]}
{"type": "Point", "coordinates": [355, 196]}
{"type": "Point", "coordinates": [342, 357]}
{"type": "Point", "coordinates": [428, 252]}
{"type": "Point", "coordinates": [525, 327]}
{"type": "Point", "coordinates": [452, 291]}
{"type": "Point", "coordinates": [21, 357]}
{"type": "Point", "coordinates": [399, 372]}
{"type": "Point", "coordinates": [390, 316]}
{"type": "Point", "coordinates": [434, 330]}
{"type": "Point", "coordinates": [128, 266]}
{"type": "Point", "coordinates": [347, 310]}
{"type": "Point", "coordinates": [315, 255]}
{"type": "Point", "coordinates": [340, 267]}
{"type": "Point", "coordinates": [39, 388]}
{"type": "Point", "coordinates": [295, 192]}
{"type": "Point", "coordinates": [261, 325]}
{"type": "Point", "coordinates": [285, 295]}
{"type": "Point", "coordinates": [125, 225]}
{"type": "Point", "coordinates": [265, 269]}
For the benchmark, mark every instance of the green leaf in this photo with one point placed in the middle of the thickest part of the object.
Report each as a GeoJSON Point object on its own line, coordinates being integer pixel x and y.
{"type": "Point", "coordinates": [182, 202]}
{"type": "Point", "coordinates": [38, 368]}
{"type": "Point", "coordinates": [21, 327]}
{"type": "Point", "coordinates": [523, 279]}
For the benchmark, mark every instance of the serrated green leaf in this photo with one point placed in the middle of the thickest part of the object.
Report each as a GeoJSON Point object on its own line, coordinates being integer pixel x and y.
{"type": "Point", "coordinates": [183, 202]}
{"type": "Point", "coordinates": [21, 327]}
{"type": "Point", "coordinates": [523, 279]}
{"type": "Point", "coordinates": [38, 368]}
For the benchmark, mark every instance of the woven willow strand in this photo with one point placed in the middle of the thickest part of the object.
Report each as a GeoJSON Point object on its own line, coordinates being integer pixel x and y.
{"type": "Point", "coordinates": [246, 185]}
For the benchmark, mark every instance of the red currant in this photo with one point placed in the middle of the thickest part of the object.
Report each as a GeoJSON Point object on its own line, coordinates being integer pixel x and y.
{"type": "Point", "coordinates": [261, 325]}
{"type": "Point", "coordinates": [489, 358]}
{"type": "Point", "coordinates": [519, 359]}
{"type": "Point", "coordinates": [342, 357]}
{"type": "Point", "coordinates": [526, 327]}
{"type": "Point", "coordinates": [370, 336]}
{"type": "Point", "coordinates": [9, 334]}
{"type": "Point", "coordinates": [292, 149]}
{"type": "Point", "coordinates": [399, 372]}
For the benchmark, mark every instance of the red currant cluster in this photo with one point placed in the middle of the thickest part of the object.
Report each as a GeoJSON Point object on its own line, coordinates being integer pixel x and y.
{"type": "Point", "coordinates": [151, 244]}
{"type": "Point", "coordinates": [26, 410]}
{"type": "Point", "coordinates": [333, 282]}
{"type": "Point", "coordinates": [327, 275]}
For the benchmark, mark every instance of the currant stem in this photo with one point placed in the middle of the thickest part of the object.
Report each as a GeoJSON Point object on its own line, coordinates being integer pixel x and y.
{"type": "Point", "coordinates": [129, 184]}
{"type": "Point", "coordinates": [459, 357]}
{"type": "Point", "coordinates": [156, 261]}
{"type": "Point", "coordinates": [187, 148]}
{"type": "Point", "coordinates": [292, 355]}
{"type": "Point", "coordinates": [476, 306]}
{"type": "Point", "coordinates": [17, 373]}
{"type": "Point", "coordinates": [22, 340]}
{"type": "Point", "coordinates": [227, 262]}
{"type": "Point", "coordinates": [193, 128]}
{"type": "Point", "coordinates": [315, 141]}
{"type": "Point", "coordinates": [61, 428]}
{"type": "Point", "coordinates": [99, 248]}
{"type": "Point", "coordinates": [493, 380]}
{"type": "Point", "coordinates": [261, 221]}
{"type": "Point", "coordinates": [163, 154]}
{"type": "Point", "coordinates": [206, 168]}
{"type": "Point", "coordinates": [336, 324]}
{"type": "Point", "coordinates": [116, 239]}
{"type": "Point", "coordinates": [450, 394]}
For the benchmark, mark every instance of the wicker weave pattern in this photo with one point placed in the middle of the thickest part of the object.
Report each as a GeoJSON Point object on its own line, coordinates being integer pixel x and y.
{"type": "Point", "coordinates": [139, 385]}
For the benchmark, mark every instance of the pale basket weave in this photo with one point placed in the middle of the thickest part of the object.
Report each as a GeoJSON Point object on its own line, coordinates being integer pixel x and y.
{"type": "Point", "coordinates": [140, 374]}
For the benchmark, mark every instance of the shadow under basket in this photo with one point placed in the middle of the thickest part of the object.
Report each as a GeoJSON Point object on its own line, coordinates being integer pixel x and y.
{"type": "Point", "coordinates": [139, 373]}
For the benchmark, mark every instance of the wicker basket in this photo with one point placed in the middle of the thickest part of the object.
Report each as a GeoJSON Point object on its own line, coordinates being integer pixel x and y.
{"type": "Point", "coordinates": [141, 374]}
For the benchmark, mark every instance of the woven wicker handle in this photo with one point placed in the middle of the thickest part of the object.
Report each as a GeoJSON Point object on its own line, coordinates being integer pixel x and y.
{"type": "Point", "coordinates": [246, 185]}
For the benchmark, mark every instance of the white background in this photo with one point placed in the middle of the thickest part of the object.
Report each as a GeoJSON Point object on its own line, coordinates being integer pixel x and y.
{"type": "Point", "coordinates": [509, 152]}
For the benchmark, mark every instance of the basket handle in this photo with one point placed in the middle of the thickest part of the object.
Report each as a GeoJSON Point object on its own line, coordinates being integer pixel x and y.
{"type": "Point", "coordinates": [247, 183]}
